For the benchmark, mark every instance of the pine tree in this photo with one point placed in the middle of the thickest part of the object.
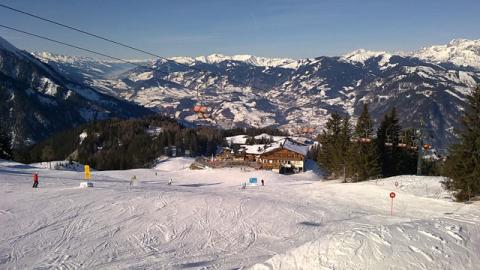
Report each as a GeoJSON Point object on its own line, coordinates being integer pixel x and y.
{"type": "Point", "coordinates": [326, 154]}
{"type": "Point", "coordinates": [364, 154]}
{"type": "Point", "coordinates": [407, 155]}
{"type": "Point", "coordinates": [463, 164]}
{"type": "Point", "coordinates": [346, 149]}
{"type": "Point", "coordinates": [388, 137]}
{"type": "Point", "coordinates": [333, 153]}
{"type": "Point", "coordinates": [5, 144]}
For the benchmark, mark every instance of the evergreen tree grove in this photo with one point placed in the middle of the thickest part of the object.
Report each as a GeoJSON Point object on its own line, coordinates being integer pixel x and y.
{"type": "Point", "coordinates": [335, 143]}
{"type": "Point", "coordinates": [463, 164]}
{"type": "Point", "coordinates": [388, 137]}
{"type": "Point", "coordinates": [364, 152]}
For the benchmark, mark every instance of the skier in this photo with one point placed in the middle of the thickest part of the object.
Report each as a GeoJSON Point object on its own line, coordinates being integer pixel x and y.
{"type": "Point", "coordinates": [244, 185]}
{"type": "Point", "coordinates": [134, 178]}
{"type": "Point", "coordinates": [263, 183]}
{"type": "Point", "coordinates": [170, 182]}
{"type": "Point", "coordinates": [35, 180]}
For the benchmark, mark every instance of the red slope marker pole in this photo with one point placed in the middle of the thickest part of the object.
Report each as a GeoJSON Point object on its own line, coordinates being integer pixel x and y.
{"type": "Point", "coordinates": [392, 195]}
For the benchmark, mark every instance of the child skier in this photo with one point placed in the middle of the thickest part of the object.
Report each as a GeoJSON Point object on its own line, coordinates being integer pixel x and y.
{"type": "Point", "coordinates": [35, 180]}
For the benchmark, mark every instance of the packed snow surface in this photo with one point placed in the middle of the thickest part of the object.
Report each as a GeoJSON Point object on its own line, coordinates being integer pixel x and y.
{"type": "Point", "coordinates": [204, 220]}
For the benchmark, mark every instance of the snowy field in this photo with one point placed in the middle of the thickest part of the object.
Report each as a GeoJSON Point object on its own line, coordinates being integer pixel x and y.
{"type": "Point", "coordinates": [205, 221]}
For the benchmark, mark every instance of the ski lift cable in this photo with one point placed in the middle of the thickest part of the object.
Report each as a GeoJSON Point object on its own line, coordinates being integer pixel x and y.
{"type": "Point", "coordinates": [94, 52]}
{"type": "Point", "coordinates": [80, 48]}
{"type": "Point", "coordinates": [122, 44]}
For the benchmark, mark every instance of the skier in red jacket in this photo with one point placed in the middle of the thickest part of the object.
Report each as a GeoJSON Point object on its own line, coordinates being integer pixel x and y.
{"type": "Point", "coordinates": [35, 180]}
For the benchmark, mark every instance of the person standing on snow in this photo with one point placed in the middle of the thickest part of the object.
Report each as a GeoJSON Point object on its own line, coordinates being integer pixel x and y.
{"type": "Point", "coordinates": [263, 183]}
{"type": "Point", "coordinates": [35, 180]}
{"type": "Point", "coordinates": [170, 182]}
{"type": "Point", "coordinates": [134, 178]}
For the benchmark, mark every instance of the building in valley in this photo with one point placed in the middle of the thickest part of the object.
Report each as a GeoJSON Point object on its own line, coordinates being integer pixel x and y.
{"type": "Point", "coordinates": [280, 154]}
{"type": "Point", "coordinates": [284, 156]}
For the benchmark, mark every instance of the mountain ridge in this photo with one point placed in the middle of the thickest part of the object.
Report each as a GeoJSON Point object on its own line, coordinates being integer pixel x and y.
{"type": "Point", "coordinates": [38, 101]}
{"type": "Point", "coordinates": [242, 92]}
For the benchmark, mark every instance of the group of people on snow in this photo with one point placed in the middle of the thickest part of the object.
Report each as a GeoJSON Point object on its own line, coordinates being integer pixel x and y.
{"type": "Point", "coordinates": [133, 179]}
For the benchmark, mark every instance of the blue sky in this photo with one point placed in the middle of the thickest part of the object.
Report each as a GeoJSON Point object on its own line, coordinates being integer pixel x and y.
{"type": "Point", "coordinates": [272, 28]}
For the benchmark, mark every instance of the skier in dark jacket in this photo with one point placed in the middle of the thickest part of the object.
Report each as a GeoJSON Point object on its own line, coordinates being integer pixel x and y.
{"type": "Point", "coordinates": [35, 180]}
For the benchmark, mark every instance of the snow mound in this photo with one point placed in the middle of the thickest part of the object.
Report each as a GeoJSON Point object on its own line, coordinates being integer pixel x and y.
{"type": "Point", "coordinates": [432, 244]}
{"type": "Point", "coordinates": [173, 164]}
{"type": "Point", "coordinates": [421, 186]}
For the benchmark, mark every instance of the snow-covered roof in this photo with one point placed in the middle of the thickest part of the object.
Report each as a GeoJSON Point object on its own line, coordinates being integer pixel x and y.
{"type": "Point", "coordinates": [239, 139]}
{"type": "Point", "coordinates": [295, 146]}
{"type": "Point", "coordinates": [255, 149]}
{"type": "Point", "coordinates": [286, 143]}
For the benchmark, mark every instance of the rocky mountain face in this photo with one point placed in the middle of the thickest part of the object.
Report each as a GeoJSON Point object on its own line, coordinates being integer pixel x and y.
{"type": "Point", "coordinates": [460, 52]}
{"type": "Point", "coordinates": [37, 101]}
{"type": "Point", "coordinates": [427, 88]}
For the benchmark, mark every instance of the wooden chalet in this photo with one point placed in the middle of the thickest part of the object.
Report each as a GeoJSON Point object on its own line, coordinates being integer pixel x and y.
{"type": "Point", "coordinates": [286, 156]}
{"type": "Point", "coordinates": [283, 156]}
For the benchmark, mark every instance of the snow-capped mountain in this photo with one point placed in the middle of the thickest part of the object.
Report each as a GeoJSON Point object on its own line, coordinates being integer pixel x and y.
{"type": "Point", "coordinates": [244, 90]}
{"type": "Point", "coordinates": [36, 100]}
{"type": "Point", "coordinates": [362, 55]}
{"type": "Point", "coordinates": [293, 98]}
{"type": "Point", "coordinates": [87, 70]}
{"type": "Point", "coordinates": [461, 52]}
{"type": "Point", "coordinates": [249, 59]}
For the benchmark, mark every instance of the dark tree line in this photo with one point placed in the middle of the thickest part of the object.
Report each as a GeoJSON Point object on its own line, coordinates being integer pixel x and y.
{"type": "Point", "coordinates": [359, 153]}
{"type": "Point", "coordinates": [125, 144]}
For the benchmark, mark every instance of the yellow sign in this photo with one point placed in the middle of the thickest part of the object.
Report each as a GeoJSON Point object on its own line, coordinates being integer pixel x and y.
{"type": "Point", "coordinates": [87, 172]}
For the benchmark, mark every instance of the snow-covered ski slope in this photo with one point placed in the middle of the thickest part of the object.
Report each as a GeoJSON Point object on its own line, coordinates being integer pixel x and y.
{"type": "Point", "coordinates": [204, 220]}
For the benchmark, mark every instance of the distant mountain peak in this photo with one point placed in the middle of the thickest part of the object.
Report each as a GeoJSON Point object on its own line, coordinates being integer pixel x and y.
{"type": "Point", "coordinates": [461, 52]}
{"type": "Point", "coordinates": [362, 55]}
{"type": "Point", "coordinates": [60, 58]}
{"type": "Point", "coordinates": [250, 59]}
